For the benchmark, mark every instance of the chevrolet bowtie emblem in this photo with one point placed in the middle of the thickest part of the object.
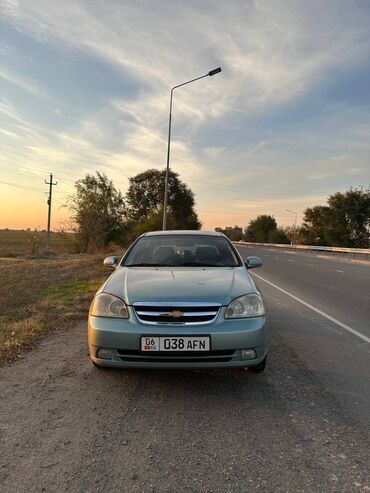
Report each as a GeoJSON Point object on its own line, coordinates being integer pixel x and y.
{"type": "Point", "coordinates": [176, 314]}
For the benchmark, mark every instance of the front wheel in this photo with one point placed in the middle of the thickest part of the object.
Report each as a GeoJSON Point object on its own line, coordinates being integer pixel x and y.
{"type": "Point", "coordinates": [260, 367]}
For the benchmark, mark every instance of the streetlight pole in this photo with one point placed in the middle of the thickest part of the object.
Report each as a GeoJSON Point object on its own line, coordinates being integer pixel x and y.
{"type": "Point", "coordinates": [165, 201]}
{"type": "Point", "coordinates": [295, 224]}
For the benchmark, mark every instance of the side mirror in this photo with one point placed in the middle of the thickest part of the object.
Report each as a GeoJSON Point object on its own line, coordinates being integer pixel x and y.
{"type": "Point", "coordinates": [110, 262]}
{"type": "Point", "coordinates": [253, 262]}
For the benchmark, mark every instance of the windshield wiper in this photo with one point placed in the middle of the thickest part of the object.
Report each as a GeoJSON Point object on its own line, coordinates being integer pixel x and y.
{"type": "Point", "coordinates": [196, 264]}
{"type": "Point", "coordinates": [185, 264]}
{"type": "Point", "coordinates": [149, 265]}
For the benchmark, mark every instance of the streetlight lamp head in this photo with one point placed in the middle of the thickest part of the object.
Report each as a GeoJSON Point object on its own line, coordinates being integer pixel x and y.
{"type": "Point", "coordinates": [214, 71]}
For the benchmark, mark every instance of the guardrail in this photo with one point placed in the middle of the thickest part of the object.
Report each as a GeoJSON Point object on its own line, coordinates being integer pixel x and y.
{"type": "Point", "coordinates": [363, 253]}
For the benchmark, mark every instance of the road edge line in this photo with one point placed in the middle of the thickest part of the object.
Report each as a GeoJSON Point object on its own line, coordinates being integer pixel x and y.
{"type": "Point", "coordinates": [320, 312]}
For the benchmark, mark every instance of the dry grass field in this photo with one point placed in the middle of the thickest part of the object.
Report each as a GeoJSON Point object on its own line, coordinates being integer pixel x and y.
{"type": "Point", "coordinates": [38, 296]}
{"type": "Point", "coordinates": [16, 243]}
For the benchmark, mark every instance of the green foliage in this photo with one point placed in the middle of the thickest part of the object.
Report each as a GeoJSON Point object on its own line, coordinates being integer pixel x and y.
{"type": "Point", "coordinates": [344, 222]}
{"type": "Point", "coordinates": [152, 223]}
{"type": "Point", "coordinates": [260, 229]}
{"type": "Point", "coordinates": [315, 224]}
{"type": "Point", "coordinates": [234, 233]}
{"type": "Point", "coordinates": [350, 218]}
{"type": "Point", "coordinates": [98, 209]}
{"type": "Point", "coordinates": [278, 236]}
{"type": "Point", "coordinates": [100, 213]}
{"type": "Point", "coordinates": [145, 202]}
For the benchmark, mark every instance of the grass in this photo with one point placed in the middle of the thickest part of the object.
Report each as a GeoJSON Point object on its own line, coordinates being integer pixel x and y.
{"type": "Point", "coordinates": [40, 296]}
{"type": "Point", "coordinates": [21, 243]}
{"type": "Point", "coordinates": [67, 291]}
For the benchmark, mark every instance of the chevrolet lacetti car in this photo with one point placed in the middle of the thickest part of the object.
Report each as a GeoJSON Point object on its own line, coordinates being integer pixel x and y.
{"type": "Point", "coordinates": [179, 299]}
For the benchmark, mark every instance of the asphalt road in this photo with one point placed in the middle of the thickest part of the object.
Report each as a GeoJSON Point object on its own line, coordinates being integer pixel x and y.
{"type": "Point", "coordinates": [320, 307]}
{"type": "Point", "coordinates": [303, 426]}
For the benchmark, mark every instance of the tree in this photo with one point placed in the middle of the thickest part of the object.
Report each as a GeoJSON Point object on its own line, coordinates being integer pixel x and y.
{"type": "Point", "coordinates": [315, 224]}
{"type": "Point", "coordinates": [350, 218]}
{"type": "Point", "coordinates": [233, 233]}
{"type": "Point", "coordinates": [98, 210]}
{"type": "Point", "coordinates": [260, 228]}
{"type": "Point", "coordinates": [145, 201]}
{"type": "Point", "coordinates": [344, 222]}
{"type": "Point", "coordinates": [293, 234]}
{"type": "Point", "coordinates": [278, 236]}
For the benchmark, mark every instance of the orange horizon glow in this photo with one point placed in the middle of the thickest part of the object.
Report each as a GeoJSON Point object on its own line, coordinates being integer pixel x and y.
{"type": "Point", "coordinates": [27, 209]}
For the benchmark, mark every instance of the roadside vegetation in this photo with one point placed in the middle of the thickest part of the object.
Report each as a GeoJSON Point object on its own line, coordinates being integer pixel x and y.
{"type": "Point", "coordinates": [42, 291]}
{"type": "Point", "coordinates": [343, 222]}
{"type": "Point", "coordinates": [40, 296]}
{"type": "Point", "coordinates": [28, 243]}
{"type": "Point", "coordinates": [46, 290]}
{"type": "Point", "coordinates": [102, 215]}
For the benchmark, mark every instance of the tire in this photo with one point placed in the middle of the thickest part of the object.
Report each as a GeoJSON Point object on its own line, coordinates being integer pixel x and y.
{"type": "Point", "coordinates": [260, 367]}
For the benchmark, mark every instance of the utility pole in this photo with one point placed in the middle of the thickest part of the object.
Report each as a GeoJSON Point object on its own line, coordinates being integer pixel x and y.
{"type": "Point", "coordinates": [51, 184]}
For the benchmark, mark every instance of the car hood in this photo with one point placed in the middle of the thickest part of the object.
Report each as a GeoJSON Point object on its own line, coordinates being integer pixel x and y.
{"type": "Point", "coordinates": [179, 284]}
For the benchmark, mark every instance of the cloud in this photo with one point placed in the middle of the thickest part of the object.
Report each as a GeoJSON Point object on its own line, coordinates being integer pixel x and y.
{"type": "Point", "coordinates": [270, 52]}
{"type": "Point", "coordinates": [274, 55]}
{"type": "Point", "coordinates": [21, 82]}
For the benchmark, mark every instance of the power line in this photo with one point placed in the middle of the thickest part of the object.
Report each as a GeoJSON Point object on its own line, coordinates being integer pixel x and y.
{"type": "Point", "coordinates": [33, 168]}
{"type": "Point", "coordinates": [64, 184]}
{"type": "Point", "coordinates": [65, 189]}
{"type": "Point", "coordinates": [200, 182]}
{"type": "Point", "coordinates": [211, 186]}
{"type": "Point", "coordinates": [20, 186]}
{"type": "Point", "coordinates": [24, 171]}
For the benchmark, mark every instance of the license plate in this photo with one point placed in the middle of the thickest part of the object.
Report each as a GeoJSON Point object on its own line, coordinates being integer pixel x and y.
{"type": "Point", "coordinates": [175, 343]}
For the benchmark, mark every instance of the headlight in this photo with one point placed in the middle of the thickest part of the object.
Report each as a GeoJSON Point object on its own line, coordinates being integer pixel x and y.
{"type": "Point", "coordinates": [249, 305]}
{"type": "Point", "coordinates": [107, 305]}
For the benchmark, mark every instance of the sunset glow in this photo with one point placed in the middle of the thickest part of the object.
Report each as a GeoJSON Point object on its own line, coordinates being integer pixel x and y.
{"type": "Point", "coordinates": [85, 87]}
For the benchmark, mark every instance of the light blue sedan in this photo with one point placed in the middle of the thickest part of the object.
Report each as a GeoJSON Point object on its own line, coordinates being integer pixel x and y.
{"type": "Point", "coordinates": [179, 299]}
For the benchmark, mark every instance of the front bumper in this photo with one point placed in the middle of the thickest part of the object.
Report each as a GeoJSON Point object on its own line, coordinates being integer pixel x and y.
{"type": "Point", "coordinates": [228, 338]}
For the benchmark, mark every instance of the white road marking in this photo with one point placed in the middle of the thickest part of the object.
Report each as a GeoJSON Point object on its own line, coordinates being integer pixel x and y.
{"type": "Point", "coordinates": [290, 260]}
{"type": "Point", "coordinates": [337, 270]}
{"type": "Point", "coordinates": [332, 319]}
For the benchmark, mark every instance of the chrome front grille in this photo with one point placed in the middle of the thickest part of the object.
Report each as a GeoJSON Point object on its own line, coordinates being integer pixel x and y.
{"type": "Point", "coordinates": [187, 313]}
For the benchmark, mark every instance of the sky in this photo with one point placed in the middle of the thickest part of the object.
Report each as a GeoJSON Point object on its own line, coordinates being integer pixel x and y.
{"type": "Point", "coordinates": [85, 85]}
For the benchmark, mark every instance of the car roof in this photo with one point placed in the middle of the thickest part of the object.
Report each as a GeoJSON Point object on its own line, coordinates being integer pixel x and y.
{"type": "Point", "coordinates": [183, 232]}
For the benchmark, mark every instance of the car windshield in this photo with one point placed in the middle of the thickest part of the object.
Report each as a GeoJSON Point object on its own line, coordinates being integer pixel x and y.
{"type": "Point", "coordinates": [182, 251]}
